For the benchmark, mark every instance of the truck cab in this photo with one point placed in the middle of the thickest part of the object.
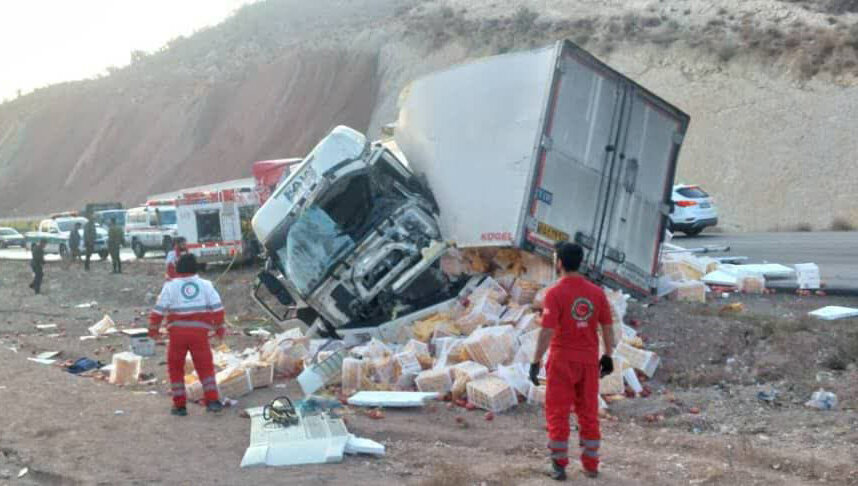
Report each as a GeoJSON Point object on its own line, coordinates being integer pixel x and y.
{"type": "Point", "coordinates": [353, 234]}
{"type": "Point", "coordinates": [151, 227]}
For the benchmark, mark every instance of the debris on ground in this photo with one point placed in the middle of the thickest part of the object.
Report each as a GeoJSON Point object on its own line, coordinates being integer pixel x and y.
{"type": "Point", "coordinates": [394, 399]}
{"type": "Point", "coordinates": [313, 439]}
{"type": "Point", "coordinates": [359, 445]}
{"type": "Point", "coordinates": [126, 368]}
{"type": "Point", "coordinates": [807, 276]}
{"type": "Point", "coordinates": [822, 400]}
{"type": "Point", "coordinates": [82, 365]}
{"type": "Point", "coordinates": [102, 327]}
{"type": "Point", "coordinates": [834, 312]}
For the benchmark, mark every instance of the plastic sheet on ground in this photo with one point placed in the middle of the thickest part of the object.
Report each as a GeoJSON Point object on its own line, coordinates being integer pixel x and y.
{"type": "Point", "coordinates": [833, 312]}
{"type": "Point", "coordinates": [720, 277]}
{"type": "Point", "coordinates": [769, 270]}
{"type": "Point", "coordinates": [394, 399]}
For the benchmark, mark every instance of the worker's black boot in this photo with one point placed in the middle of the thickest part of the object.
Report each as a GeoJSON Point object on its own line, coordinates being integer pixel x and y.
{"type": "Point", "coordinates": [179, 411]}
{"type": "Point", "coordinates": [557, 473]}
{"type": "Point", "coordinates": [214, 407]}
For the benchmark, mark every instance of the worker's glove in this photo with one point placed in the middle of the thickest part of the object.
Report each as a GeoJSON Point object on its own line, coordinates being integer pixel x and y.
{"type": "Point", "coordinates": [534, 373]}
{"type": "Point", "coordinates": [220, 332]}
{"type": "Point", "coordinates": [606, 365]}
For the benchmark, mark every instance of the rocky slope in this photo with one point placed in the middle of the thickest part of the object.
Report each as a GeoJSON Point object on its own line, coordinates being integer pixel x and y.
{"type": "Point", "coordinates": [770, 86]}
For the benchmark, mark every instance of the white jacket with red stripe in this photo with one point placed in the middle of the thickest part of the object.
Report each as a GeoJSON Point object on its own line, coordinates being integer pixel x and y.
{"type": "Point", "coordinates": [187, 301]}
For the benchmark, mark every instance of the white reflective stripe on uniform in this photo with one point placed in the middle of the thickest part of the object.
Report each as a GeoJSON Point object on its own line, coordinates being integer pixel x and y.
{"type": "Point", "coordinates": [556, 444]}
{"type": "Point", "coordinates": [190, 324]}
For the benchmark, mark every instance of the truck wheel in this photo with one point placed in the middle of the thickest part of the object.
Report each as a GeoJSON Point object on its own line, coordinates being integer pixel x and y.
{"type": "Point", "coordinates": [167, 244]}
{"type": "Point", "coordinates": [693, 232]}
{"type": "Point", "coordinates": [64, 252]}
{"type": "Point", "coordinates": [139, 251]}
{"type": "Point", "coordinates": [102, 254]}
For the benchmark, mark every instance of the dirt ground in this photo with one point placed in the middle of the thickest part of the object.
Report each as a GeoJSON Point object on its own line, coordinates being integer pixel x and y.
{"type": "Point", "coordinates": [68, 429]}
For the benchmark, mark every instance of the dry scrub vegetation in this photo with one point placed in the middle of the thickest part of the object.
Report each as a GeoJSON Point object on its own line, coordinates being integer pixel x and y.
{"type": "Point", "coordinates": [804, 49]}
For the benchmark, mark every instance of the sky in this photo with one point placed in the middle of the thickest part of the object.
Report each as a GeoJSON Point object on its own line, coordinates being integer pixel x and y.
{"type": "Point", "coordinates": [43, 42]}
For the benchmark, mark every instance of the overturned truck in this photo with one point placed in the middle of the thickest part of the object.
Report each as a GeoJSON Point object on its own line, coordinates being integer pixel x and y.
{"type": "Point", "coordinates": [519, 150]}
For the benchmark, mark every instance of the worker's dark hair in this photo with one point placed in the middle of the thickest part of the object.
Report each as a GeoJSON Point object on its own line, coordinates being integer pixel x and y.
{"type": "Point", "coordinates": [570, 255]}
{"type": "Point", "coordinates": [187, 263]}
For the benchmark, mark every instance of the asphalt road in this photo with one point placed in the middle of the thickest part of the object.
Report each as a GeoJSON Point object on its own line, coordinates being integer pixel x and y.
{"type": "Point", "coordinates": [835, 253]}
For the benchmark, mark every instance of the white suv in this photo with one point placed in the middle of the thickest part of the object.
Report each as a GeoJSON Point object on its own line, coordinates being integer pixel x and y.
{"type": "Point", "coordinates": [151, 227]}
{"type": "Point", "coordinates": [693, 210]}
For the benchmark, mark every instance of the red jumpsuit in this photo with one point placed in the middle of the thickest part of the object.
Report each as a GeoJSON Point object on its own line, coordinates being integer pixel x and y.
{"type": "Point", "coordinates": [192, 308]}
{"type": "Point", "coordinates": [574, 308]}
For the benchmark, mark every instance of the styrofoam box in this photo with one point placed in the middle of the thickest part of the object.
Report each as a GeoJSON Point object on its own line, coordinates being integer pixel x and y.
{"type": "Point", "coordinates": [639, 359]}
{"type": "Point", "coordinates": [492, 394]}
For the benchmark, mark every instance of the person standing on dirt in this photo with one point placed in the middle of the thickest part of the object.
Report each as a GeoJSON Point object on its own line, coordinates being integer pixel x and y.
{"type": "Point", "coordinates": [179, 249]}
{"type": "Point", "coordinates": [115, 240]}
{"type": "Point", "coordinates": [573, 310]}
{"type": "Point", "coordinates": [37, 263]}
{"type": "Point", "coordinates": [88, 241]}
{"type": "Point", "coordinates": [192, 309]}
{"type": "Point", "coordinates": [74, 243]}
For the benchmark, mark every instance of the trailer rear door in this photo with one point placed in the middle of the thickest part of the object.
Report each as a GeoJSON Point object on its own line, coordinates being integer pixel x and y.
{"type": "Point", "coordinates": [604, 170]}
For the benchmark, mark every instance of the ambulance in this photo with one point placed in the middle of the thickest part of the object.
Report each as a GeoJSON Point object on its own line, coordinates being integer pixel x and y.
{"type": "Point", "coordinates": [216, 223]}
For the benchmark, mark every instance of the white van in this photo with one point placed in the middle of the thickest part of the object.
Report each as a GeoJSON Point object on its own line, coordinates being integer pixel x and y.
{"type": "Point", "coordinates": [151, 227]}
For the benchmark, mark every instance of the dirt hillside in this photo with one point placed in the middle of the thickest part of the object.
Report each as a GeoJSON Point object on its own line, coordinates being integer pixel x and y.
{"type": "Point", "coordinates": [770, 86]}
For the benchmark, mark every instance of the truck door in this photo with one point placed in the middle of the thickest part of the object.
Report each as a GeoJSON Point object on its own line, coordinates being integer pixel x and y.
{"type": "Point", "coordinates": [229, 222]}
{"type": "Point", "coordinates": [577, 147]}
{"type": "Point", "coordinates": [641, 182]}
{"type": "Point", "coordinates": [605, 169]}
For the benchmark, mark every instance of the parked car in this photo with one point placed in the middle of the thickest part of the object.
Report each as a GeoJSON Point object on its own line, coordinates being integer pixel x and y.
{"type": "Point", "coordinates": [56, 232]}
{"type": "Point", "coordinates": [11, 237]}
{"type": "Point", "coordinates": [693, 210]}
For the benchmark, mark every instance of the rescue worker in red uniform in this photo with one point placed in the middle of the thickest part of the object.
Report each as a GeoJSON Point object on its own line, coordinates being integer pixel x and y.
{"type": "Point", "coordinates": [179, 249]}
{"type": "Point", "coordinates": [192, 309]}
{"type": "Point", "coordinates": [573, 309]}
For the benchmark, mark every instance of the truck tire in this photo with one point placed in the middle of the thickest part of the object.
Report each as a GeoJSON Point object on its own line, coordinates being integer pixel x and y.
{"type": "Point", "coordinates": [167, 245]}
{"type": "Point", "coordinates": [64, 252]}
{"type": "Point", "coordinates": [139, 250]}
{"type": "Point", "coordinates": [693, 232]}
{"type": "Point", "coordinates": [103, 254]}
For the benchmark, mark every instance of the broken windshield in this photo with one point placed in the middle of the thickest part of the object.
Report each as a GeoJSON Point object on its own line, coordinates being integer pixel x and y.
{"type": "Point", "coordinates": [327, 230]}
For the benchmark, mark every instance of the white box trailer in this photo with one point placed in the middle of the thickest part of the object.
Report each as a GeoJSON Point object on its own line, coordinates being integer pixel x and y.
{"type": "Point", "coordinates": [216, 225]}
{"type": "Point", "coordinates": [528, 148]}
